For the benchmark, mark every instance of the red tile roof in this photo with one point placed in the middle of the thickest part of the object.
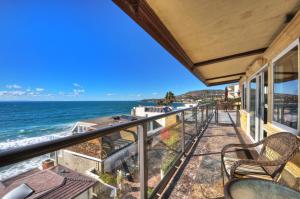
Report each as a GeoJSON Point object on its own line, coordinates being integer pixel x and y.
{"type": "Point", "coordinates": [58, 182]}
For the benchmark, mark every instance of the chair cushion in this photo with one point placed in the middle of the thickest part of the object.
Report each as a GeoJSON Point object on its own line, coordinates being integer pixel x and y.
{"type": "Point", "coordinates": [245, 170]}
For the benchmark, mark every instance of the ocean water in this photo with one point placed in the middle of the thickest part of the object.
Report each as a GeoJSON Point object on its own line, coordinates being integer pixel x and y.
{"type": "Point", "coordinates": [25, 123]}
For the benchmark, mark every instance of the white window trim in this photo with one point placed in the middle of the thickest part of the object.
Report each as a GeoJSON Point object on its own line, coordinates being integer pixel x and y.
{"type": "Point", "coordinates": [254, 76]}
{"type": "Point", "coordinates": [281, 54]}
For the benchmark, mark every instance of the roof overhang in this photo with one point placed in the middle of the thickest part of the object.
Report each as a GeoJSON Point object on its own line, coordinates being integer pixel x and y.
{"type": "Point", "coordinates": [215, 40]}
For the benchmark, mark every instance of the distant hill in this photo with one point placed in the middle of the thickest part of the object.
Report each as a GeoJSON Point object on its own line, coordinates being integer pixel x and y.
{"type": "Point", "coordinates": [198, 94]}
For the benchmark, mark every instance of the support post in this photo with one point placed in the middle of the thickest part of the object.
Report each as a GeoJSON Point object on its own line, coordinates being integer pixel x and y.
{"type": "Point", "coordinates": [207, 112]}
{"type": "Point", "coordinates": [196, 120]}
{"type": "Point", "coordinates": [216, 114]}
{"type": "Point", "coordinates": [282, 114]}
{"type": "Point", "coordinates": [202, 115]}
{"type": "Point", "coordinates": [142, 140]}
{"type": "Point", "coordinates": [183, 132]}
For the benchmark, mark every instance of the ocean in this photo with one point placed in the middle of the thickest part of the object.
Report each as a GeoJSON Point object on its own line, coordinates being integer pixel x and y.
{"type": "Point", "coordinates": [25, 123]}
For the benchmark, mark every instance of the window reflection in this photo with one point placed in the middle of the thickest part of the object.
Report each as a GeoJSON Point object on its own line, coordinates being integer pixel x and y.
{"type": "Point", "coordinates": [252, 107]}
{"type": "Point", "coordinates": [285, 99]}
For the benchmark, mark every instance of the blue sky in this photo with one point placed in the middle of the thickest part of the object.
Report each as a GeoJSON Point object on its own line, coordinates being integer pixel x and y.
{"type": "Point", "coordinates": [82, 50]}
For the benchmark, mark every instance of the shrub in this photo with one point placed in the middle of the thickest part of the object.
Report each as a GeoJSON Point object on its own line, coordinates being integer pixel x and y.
{"type": "Point", "coordinates": [108, 179]}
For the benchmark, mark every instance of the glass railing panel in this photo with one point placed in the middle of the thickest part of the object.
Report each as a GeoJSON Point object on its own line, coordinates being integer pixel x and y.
{"type": "Point", "coordinates": [199, 118]}
{"type": "Point", "coordinates": [104, 167]}
{"type": "Point", "coordinates": [164, 146]}
{"type": "Point", "coordinates": [203, 113]}
{"type": "Point", "coordinates": [189, 126]}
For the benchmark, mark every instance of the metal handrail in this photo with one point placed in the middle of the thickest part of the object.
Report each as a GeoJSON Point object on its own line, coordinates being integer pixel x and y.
{"type": "Point", "coordinates": [23, 153]}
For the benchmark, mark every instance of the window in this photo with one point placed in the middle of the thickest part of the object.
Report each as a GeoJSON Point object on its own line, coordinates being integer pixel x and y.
{"type": "Point", "coordinates": [285, 89]}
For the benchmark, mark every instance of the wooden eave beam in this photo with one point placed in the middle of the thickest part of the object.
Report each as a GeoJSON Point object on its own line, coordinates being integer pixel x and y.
{"type": "Point", "coordinates": [220, 77]}
{"type": "Point", "coordinates": [224, 82]}
{"type": "Point", "coordinates": [230, 57]}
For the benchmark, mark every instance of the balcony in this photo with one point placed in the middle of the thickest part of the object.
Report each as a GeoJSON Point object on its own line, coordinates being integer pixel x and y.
{"type": "Point", "coordinates": [200, 176]}
{"type": "Point", "coordinates": [135, 159]}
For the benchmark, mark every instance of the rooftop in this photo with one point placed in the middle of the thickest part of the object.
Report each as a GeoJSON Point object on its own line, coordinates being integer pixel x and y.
{"type": "Point", "coordinates": [57, 182]}
{"type": "Point", "coordinates": [100, 148]}
{"type": "Point", "coordinates": [101, 122]}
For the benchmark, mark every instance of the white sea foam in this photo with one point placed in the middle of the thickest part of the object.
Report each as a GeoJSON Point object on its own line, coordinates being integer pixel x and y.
{"type": "Point", "coordinates": [21, 167]}
{"type": "Point", "coordinates": [10, 144]}
{"type": "Point", "coordinates": [13, 170]}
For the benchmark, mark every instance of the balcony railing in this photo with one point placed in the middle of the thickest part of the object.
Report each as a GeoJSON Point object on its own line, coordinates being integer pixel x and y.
{"type": "Point", "coordinates": [135, 159]}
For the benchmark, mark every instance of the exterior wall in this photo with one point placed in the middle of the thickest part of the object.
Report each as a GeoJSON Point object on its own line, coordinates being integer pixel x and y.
{"type": "Point", "coordinates": [76, 163]}
{"type": "Point", "coordinates": [244, 120]}
{"type": "Point", "coordinates": [140, 111]}
{"type": "Point", "coordinates": [171, 120]}
{"type": "Point", "coordinates": [291, 173]}
{"type": "Point", "coordinates": [84, 195]}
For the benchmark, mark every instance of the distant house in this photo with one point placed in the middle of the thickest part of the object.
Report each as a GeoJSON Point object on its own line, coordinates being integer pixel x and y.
{"type": "Point", "coordinates": [56, 182]}
{"type": "Point", "coordinates": [233, 91]}
{"type": "Point", "coordinates": [148, 111]}
{"type": "Point", "coordinates": [101, 153]}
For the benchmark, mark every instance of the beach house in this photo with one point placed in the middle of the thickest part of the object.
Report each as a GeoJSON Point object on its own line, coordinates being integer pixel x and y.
{"type": "Point", "coordinates": [252, 43]}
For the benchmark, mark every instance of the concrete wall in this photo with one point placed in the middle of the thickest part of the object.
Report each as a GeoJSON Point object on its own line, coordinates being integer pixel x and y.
{"type": "Point", "coordinates": [76, 163]}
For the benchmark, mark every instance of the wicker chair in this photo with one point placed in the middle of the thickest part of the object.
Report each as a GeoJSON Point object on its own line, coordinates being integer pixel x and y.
{"type": "Point", "coordinates": [275, 152]}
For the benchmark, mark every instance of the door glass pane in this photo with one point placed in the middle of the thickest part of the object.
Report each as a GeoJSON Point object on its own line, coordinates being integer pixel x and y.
{"type": "Point", "coordinates": [252, 107]}
{"type": "Point", "coordinates": [259, 108]}
{"type": "Point", "coordinates": [285, 100]}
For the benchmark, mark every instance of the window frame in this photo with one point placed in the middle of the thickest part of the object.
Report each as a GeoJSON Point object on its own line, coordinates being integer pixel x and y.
{"type": "Point", "coordinates": [244, 96]}
{"type": "Point", "coordinates": [280, 55]}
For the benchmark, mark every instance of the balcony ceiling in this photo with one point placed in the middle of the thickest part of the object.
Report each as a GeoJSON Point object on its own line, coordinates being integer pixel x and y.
{"type": "Point", "coordinates": [216, 40]}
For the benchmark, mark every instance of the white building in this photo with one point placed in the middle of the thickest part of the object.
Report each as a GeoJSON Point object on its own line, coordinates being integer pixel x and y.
{"type": "Point", "coordinates": [233, 91]}
{"type": "Point", "coordinates": [148, 111]}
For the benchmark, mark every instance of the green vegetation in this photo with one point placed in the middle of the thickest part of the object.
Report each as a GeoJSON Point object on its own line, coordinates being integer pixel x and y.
{"type": "Point", "coordinates": [203, 96]}
{"type": "Point", "coordinates": [108, 178]}
{"type": "Point", "coordinates": [168, 100]}
{"type": "Point", "coordinates": [167, 162]}
{"type": "Point", "coordinates": [150, 190]}
{"type": "Point", "coordinates": [172, 140]}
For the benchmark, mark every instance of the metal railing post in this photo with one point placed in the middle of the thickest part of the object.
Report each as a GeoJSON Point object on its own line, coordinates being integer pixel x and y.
{"type": "Point", "coordinates": [143, 166]}
{"type": "Point", "coordinates": [196, 121]}
{"type": "Point", "coordinates": [216, 114]}
{"type": "Point", "coordinates": [206, 112]}
{"type": "Point", "coordinates": [183, 132]}
{"type": "Point", "coordinates": [202, 115]}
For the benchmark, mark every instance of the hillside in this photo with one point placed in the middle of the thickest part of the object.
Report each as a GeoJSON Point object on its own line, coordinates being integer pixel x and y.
{"type": "Point", "coordinates": [198, 94]}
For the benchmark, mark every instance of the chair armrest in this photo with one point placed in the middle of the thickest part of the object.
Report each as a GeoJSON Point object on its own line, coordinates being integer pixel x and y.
{"type": "Point", "coordinates": [244, 146]}
{"type": "Point", "coordinates": [254, 162]}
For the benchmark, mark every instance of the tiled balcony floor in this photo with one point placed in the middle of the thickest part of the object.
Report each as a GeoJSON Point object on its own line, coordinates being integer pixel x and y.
{"type": "Point", "coordinates": [201, 176]}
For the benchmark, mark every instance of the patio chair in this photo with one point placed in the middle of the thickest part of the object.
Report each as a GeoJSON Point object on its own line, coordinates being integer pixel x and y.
{"type": "Point", "coordinates": [276, 151]}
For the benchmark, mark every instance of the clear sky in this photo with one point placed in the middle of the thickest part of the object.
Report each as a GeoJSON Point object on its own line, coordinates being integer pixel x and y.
{"type": "Point", "coordinates": [82, 50]}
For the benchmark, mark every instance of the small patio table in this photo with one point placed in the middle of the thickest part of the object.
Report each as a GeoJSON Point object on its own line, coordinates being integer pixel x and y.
{"type": "Point", "coordinates": [252, 188]}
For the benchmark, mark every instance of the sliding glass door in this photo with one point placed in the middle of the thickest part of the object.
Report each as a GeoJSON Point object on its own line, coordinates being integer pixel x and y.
{"type": "Point", "coordinates": [257, 103]}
